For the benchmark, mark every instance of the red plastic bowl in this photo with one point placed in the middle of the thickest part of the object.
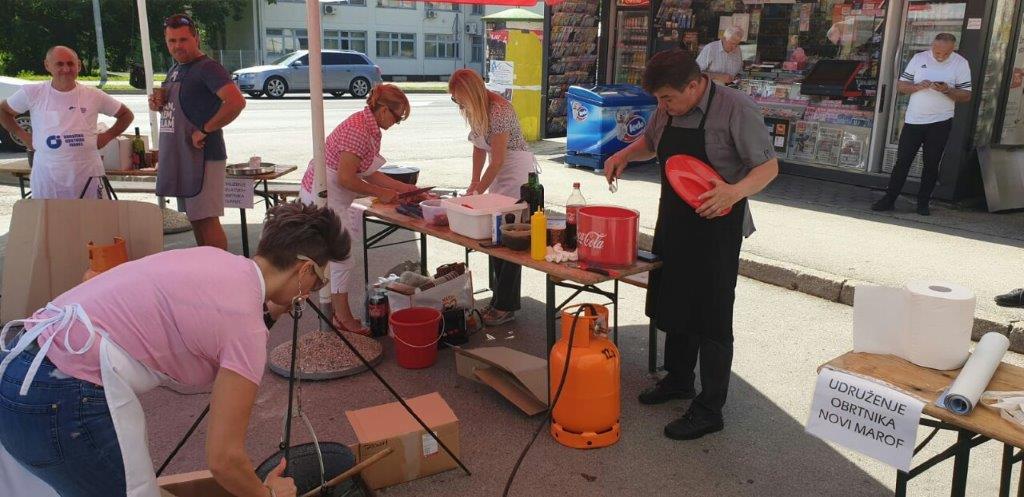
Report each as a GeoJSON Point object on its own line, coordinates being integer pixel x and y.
{"type": "Point", "coordinates": [606, 235]}
{"type": "Point", "coordinates": [690, 177]}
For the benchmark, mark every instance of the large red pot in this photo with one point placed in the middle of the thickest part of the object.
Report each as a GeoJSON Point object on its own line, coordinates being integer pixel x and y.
{"type": "Point", "coordinates": [606, 235]}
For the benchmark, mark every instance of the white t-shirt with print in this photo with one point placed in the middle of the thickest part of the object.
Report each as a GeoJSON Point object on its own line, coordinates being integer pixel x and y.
{"type": "Point", "coordinates": [932, 106]}
{"type": "Point", "coordinates": [86, 99]}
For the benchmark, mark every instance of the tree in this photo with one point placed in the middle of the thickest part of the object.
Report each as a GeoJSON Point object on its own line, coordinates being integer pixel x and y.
{"type": "Point", "coordinates": [30, 27]}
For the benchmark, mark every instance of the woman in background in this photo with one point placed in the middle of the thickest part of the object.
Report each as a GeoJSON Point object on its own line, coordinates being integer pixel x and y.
{"type": "Point", "coordinates": [352, 157]}
{"type": "Point", "coordinates": [498, 143]}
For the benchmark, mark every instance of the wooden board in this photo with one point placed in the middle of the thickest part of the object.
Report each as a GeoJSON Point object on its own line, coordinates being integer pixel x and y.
{"type": "Point", "coordinates": [20, 168]}
{"type": "Point", "coordinates": [562, 271]}
{"type": "Point", "coordinates": [927, 384]}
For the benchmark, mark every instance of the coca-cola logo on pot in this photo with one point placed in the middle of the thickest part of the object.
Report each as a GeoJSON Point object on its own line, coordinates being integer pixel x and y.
{"type": "Point", "coordinates": [591, 239]}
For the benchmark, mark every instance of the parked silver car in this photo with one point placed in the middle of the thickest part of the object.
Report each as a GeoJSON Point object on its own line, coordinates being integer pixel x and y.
{"type": "Point", "coordinates": [9, 142]}
{"type": "Point", "coordinates": [344, 71]}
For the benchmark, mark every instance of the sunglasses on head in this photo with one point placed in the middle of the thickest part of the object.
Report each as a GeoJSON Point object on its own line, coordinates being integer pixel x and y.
{"type": "Point", "coordinates": [177, 21]}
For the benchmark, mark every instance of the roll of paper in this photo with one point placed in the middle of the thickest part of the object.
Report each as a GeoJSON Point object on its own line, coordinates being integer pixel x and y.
{"type": "Point", "coordinates": [940, 319]}
{"type": "Point", "coordinates": [927, 323]}
{"type": "Point", "coordinates": [963, 395]}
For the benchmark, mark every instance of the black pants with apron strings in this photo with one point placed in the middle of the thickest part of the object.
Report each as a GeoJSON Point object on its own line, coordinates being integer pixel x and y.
{"type": "Point", "coordinates": [691, 296]}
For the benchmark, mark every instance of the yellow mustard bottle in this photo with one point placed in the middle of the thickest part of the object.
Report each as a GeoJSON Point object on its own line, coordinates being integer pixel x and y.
{"type": "Point", "coordinates": [538, 235]}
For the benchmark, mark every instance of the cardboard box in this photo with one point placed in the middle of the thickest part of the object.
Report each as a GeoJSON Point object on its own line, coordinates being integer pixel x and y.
{"type": "Point", "coordinates": [194, 484]}
{"type": "Point", "coordinates": [117, 154]}
{"type": "Point", "coordinates": [519, 377]}
{"type": "Point", "coordinates": [416, 454]}
{"type": "Point", "coordinates": [46, 251]}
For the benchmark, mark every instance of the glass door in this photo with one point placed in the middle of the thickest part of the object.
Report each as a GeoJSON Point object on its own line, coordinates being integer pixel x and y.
{"type": "Point", "coordinates": [922, 20]}
{"type": "Point", "coordinates": [631, 45]}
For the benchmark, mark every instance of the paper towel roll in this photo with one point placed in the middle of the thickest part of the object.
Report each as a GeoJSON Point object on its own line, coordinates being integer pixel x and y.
{"type": "Point", "coordinates": [927, 323]}
{"type": "Point", "coordinates": [963, 395]}
{"type": "Point", "coordinates": [940, 319]}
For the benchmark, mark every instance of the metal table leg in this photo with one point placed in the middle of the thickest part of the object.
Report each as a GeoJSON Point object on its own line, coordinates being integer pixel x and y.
{"type": "Point", "coordinates": [1006, 472]}
{"type": "Point", "coordinates": [550, 312]}
{"type": "Point", "coordinates": [21, 185]}
{"type": "Point", "coordinates": [423, 254]}
{"type": "Point", "coordinates": [960, 464]}
{"type": "Point", "coordinates": [615, 318]}
{"type": "Point", "coordinates": [245, 234]}
{"type": "Point", "coordinates": [366, 255]}
{"type": "Point", "coordinates": [901, 483]}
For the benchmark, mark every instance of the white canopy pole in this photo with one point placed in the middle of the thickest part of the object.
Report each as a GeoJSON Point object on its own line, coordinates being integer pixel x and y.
{"type": "Point", "coordinates": [316, 104]}
{"type": "Point", "coordinates": [316, 101]}
{"type": "Point", "coordinates": [147, 62]}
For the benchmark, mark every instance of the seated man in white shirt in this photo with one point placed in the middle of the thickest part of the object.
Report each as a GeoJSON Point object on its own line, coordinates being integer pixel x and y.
{"type": "Point", "coordinates": [936, 81]}
{"type": "Point", "coordinates": [721, 60]}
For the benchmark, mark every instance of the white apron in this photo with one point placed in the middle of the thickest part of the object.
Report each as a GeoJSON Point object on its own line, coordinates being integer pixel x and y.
{"type": "Point", "coordinates": [340, 199]}
{"type": "Point", "coordinates": [513, 173]}
{"type": "Point", "coordinates": [65, 152]}
{"type": "Point", "coordinates": [123, 377]}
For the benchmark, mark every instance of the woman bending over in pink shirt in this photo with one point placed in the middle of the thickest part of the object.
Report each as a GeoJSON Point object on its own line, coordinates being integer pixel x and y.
{"type": "Point", "coordinates": [195, 317]}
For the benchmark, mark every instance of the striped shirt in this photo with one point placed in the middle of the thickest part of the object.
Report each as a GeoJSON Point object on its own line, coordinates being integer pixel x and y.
{"type": "Point", "coordinates": [714, 58]}
{"type": "Point", "coordinates": [932, 106]}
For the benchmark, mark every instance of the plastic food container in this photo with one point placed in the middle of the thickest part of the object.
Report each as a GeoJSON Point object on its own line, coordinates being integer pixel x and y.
{"type": "Point", "coordinates": [606, 235]}
{"type": "Point", "coordinates": [434, 213]}
{"type": "Point", "coordinates": [473, 216]}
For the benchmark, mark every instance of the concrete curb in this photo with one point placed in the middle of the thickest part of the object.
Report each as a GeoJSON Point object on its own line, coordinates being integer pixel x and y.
{"type": "Point", "coordinates": [838, 289]}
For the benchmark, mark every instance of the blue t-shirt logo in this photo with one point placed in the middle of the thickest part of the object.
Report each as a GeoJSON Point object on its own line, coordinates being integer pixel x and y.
{"type": "Point", "coordinates": [53, 141]}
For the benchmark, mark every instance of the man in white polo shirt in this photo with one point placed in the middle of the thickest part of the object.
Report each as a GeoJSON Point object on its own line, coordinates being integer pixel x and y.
{"type": "Point", "coordinates": [721, 60]}
{"type": "Point", "coordinates": [936, 80]}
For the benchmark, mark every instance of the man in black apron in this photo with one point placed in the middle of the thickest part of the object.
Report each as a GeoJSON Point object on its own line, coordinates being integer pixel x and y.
{"type": "Point", "coordinates": [691, 296]}
{"type": "Point", "coordinates": [197, 99]}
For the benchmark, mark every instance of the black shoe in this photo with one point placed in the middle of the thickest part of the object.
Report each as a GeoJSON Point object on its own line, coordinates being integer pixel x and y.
{"type": "Point", "coordinates": [664, 391]}
{"type": "Point", "coordinates": [693, 425]}
{"type": "Point", "coordinates": [923, 210]}
{"type": "Point", "coordinates": [1013, 298]}
{"type": "Point", "coordinates": [886, 203]}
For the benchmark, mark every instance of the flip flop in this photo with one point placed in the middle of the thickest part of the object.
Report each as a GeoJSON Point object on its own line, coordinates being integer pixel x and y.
{"type": "Point", "coordinates": [365, 331]}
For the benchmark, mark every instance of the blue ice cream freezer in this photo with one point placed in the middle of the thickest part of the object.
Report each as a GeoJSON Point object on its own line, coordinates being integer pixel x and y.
{"type": "Point", "coordinates": [603, 120]}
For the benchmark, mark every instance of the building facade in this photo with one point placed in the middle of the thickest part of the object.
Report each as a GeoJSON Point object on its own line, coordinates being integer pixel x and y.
{"type": "Point", "coordinates": [408, 39]}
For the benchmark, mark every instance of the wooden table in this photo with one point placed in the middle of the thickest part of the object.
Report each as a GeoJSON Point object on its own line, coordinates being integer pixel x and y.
{"type": "Point", "coordinates": [981, 425]}
{"type": "Point", "coordinates": [22, 171]}
{"type": "Point", "coordinates": [558, 275]}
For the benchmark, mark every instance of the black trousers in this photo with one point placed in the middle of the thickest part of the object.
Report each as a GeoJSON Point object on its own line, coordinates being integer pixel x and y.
{"type": "Point", "coordinates": [715, 351]}
{"type": "Point", "coordinates": [506, 284]}
{"type": "Point", "coordinates": [933, 138]}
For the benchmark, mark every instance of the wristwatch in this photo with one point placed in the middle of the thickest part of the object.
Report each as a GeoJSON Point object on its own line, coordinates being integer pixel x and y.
{"type": "Point", "coordinates": [202, 129]}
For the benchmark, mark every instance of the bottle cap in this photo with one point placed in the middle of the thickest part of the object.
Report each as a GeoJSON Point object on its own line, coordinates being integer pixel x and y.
{"type": "Point", "coordinates": [576, 185]}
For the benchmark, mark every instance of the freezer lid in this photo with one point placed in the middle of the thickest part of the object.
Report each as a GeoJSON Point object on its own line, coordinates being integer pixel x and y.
{"type": "Point", "coordinates": [613, 95]}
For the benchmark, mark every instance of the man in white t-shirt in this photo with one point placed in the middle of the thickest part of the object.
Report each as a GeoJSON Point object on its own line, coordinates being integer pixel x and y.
{"type": "Point", "coordinates": [936, 81]}
{"type": "Point", "coordinates": [64, 138]}
{"type": "Point", "coordinates": [721, 60]}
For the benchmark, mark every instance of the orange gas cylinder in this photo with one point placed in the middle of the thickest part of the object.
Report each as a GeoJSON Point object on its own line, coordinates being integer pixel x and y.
{"type": "Point", "coordinates": [586, 415]}
{"type": "Point", "coordinates": [104, 257]}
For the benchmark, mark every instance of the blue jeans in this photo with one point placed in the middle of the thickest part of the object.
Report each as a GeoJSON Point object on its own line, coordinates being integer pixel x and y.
{"type": "Point", "coordinates": [61, 431]}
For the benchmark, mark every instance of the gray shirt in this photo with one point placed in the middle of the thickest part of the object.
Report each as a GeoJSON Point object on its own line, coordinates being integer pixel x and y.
{"type": "Point", "coordinates": [735, 135]}
{"type": "Point", "coordinates": [714, 58]}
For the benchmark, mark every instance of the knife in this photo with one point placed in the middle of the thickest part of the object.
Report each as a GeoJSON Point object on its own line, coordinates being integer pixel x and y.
{"type": "Point", "coordinates": [611, 273]}
{"type": "Point", "coordinates": [414, 192]}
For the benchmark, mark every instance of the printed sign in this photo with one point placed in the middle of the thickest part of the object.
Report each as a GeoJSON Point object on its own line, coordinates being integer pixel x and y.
{"type": "Point", "coordinates": [865, 416]}
{"type": "Point", "coordinates": [238, 193]}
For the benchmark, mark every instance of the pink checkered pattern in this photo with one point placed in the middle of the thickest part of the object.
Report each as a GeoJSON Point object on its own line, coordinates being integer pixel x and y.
{"type": "Point", "coordinates": [358, 135]}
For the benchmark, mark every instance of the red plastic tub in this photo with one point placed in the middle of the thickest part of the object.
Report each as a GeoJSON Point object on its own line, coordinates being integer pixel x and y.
{"type": "Point", "coordinates": [606, 235]}
{"type": "Point", "coordinates": [416, 332]}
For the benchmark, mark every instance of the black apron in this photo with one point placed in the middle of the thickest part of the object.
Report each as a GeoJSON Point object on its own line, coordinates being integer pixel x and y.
{"type": "Point", "coordinates": [182, 165]}
{"type": "Point", "coordinates": [694, 289]}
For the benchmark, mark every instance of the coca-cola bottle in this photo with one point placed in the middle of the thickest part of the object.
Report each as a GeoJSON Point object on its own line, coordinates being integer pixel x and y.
{"type": "Point", "coordinates": [572, 209]}
{"type": "Point", "coordinates": [378, 310]}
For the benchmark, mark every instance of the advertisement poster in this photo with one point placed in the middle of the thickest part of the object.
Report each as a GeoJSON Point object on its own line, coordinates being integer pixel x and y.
{"type": "Point", "coordinates": [830, 141]}
{"type": "Point", "coordinates": [805, 16]}
{"type": "Point", "coordinates": [805, 139]}
{"type": "Point", "coordinates": [1013, 118]}
{"type": "Point", "coordinates": [851, 155]}
{"type": "Point", "coordinates": [779, 130]}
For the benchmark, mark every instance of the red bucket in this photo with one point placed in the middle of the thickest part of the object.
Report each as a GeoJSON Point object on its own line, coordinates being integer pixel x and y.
{"type": "Point", "coordinates": [416, 331]}
{"type": "Point", "coordinates": [606, 235]}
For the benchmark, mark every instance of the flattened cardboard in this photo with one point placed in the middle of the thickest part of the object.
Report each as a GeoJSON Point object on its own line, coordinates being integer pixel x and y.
{"type": "Point", "coordinates": [46, 253]}
{"type": "Point", "coordinates": [519, 377]}
{"type": "Point", "coordinates": [194, 484]}
{"type": "Point", "coordinates": [415, 454]}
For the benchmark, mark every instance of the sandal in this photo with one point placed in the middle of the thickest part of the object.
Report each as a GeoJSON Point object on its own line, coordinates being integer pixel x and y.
{"type": "Point", "coordinates": [494, 317]}
{"type": "Point", "coordinates": [1013, 298]}
{"type": "Point", "coordinates": [361, 330]}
